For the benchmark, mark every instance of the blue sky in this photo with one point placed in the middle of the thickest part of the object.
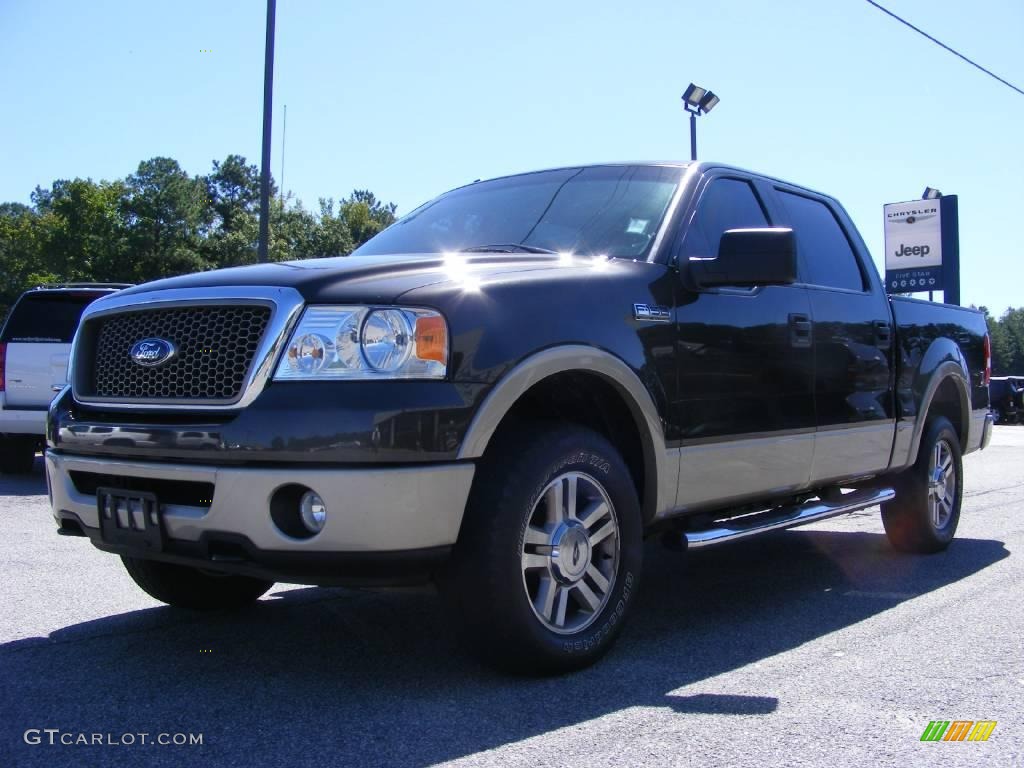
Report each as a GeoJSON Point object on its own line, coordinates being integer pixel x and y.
{"type": "Point", "coordinates": [410, 98]}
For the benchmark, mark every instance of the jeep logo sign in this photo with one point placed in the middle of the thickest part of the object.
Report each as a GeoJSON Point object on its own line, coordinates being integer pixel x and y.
{"type": "Point", "coordinates": [916, 233]}
{"type": "Point", "coordinates": [152, 352]}
{"type": "Point", "coordinates": [917, 250]}
{"type": "Point", "coordinates": [913, 235]}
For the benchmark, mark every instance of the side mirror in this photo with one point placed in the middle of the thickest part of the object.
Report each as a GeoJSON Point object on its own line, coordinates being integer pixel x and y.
{"type": "Point", "coordinates": [749, 257]}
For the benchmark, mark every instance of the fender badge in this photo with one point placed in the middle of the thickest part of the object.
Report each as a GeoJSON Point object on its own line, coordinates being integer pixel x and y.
{"type": "Point", "coordinates": [652, 313]}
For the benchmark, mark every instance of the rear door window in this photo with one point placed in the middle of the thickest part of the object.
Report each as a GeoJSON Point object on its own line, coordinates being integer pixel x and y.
{"type": "Point", "coordinates": [46, 317]}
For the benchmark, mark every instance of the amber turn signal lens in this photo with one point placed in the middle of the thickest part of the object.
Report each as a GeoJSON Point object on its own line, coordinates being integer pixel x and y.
{"type": "Point", "coordinates": [432, 339]}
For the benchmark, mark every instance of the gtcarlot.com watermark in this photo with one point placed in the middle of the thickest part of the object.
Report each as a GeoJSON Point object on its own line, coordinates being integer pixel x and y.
{"type": "Point", "coordinates": [56, 737]}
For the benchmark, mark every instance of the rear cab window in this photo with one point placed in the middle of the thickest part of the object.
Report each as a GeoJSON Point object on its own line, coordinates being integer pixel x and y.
{"type": "Point", "coordinates": [46, 317]}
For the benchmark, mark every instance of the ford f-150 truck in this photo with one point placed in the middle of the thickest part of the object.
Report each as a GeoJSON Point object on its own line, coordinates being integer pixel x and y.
{"type": "Point", "coordinates": [509, 389]}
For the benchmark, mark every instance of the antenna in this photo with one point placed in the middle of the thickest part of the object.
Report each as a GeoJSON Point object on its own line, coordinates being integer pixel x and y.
{"type": "Point", "coordinates": [284, 132]}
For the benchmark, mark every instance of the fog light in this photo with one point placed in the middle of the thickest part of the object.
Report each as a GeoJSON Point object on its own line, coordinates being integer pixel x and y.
{"type": "Point", "coordinates": [312, 511]}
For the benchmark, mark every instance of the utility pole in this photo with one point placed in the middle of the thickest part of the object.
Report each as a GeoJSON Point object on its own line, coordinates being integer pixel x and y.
{"type": "Point", "coordinates": [268, 113]}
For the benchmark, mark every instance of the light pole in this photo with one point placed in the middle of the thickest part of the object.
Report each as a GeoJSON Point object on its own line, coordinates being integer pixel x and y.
{"type": "Point", "coordinates": [697, 101]}
{"type": "Point", "coordinates": [268, 111]}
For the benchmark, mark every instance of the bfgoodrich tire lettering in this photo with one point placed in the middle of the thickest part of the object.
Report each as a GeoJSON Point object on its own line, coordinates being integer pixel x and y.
{"type": "Point", "coordinates": [549, 556]}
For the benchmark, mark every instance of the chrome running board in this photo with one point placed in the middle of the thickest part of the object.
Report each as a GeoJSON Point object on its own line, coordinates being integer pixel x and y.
{"type": "Point", "coordinates": [786, 517]}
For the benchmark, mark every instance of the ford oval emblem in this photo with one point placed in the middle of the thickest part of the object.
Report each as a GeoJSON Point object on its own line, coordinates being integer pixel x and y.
{"type": "Point", "coordinates": [152, 352]}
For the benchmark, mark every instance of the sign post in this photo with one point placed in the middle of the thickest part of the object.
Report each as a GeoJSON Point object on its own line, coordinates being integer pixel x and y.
{"type": "Point", "coordinates": [922, 247]}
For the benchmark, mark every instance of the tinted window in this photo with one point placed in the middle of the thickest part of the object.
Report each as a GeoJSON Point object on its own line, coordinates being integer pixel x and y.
{"type": "Point", "coordinates": [608, 210]}
{"type": "Point", "coordinates": [46, 317]}
{"type": "Point", "coordinates": [725, 204]}
{"type": "Point", "coordinates": [826, 252]}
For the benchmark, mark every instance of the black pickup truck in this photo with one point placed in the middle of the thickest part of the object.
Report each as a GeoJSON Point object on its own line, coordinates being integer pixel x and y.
{"type": "Point", "coordinates": [507, 391]}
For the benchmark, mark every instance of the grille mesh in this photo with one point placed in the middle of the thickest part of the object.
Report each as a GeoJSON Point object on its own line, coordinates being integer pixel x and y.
{"type": "Point", "coordinates": [215, 348]}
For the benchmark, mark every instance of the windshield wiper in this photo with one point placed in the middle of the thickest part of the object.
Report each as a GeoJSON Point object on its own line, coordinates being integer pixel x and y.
{"type": "Point", "coordinates": [507, 248]}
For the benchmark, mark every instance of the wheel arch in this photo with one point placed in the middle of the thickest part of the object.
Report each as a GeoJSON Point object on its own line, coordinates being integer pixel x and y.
{"type": "Point", "coordinates": [659, 474]}
{"type": "Point", "coordinates": [944, 391]}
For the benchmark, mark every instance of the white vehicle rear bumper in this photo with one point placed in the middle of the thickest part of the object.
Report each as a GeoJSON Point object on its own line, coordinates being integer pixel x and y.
{"type": "Point", "coordinates": [22, 421]}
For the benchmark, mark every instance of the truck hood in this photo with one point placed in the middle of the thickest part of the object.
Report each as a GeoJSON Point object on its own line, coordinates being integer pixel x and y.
{"type": "Point", "coordinates": [368, 279]}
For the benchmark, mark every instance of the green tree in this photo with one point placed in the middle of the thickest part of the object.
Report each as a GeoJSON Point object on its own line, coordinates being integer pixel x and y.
{"type": "Point", "coordinates": [168, 215]}
{"type": "Point", "coordinates": [234, 190]}
{"type": "Point", "coordinates": [1010, 340]}
{"type": "Point", "coordinates": [83, 230]}
{"type": "Point", "coordinates": [365, 215]}
{"type": "Point", "coordinates": [333, 236]}
{"type": "Point", "coordinates": [159, 221]}
{"type": "Point", "coordinates": [233, 193]}
{"type": "Point", "coordinates": [293, 232]}
{"type": "Point", "coordinates": [21, 253]}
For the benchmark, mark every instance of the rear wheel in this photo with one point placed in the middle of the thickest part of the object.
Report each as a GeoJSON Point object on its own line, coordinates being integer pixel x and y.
{"type": "Point", "coordinates": [924, 515]}
{"type": "Point", "coordinates": [185, 587]}
{"type": "Point", "coordinates": [17, 453]}
{"type": "Point", "coordinates": [548, 559]}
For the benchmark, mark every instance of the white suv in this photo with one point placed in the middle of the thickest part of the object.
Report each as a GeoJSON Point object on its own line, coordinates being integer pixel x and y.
{"type": "Point", "coordinates": [34, 347]}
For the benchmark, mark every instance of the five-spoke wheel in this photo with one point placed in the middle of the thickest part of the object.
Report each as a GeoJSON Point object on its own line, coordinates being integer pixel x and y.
{"type": "Point", "coordinates": [942, 484]}
{"type": "Point", "coordinates": [570, 552]}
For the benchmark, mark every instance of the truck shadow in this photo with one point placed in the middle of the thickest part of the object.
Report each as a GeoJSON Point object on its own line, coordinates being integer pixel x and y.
{"type": "Point", "coordinates": [315, 676]}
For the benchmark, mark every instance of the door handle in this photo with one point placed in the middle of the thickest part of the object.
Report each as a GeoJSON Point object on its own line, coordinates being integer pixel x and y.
{"type": "Point", "coordinates": [799, 330]}
{"type": "Point", "coordinates": [883, 334]}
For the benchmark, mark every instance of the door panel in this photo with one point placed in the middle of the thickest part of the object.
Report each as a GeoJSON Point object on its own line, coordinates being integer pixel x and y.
{"type": "Point", "coordinates": [852, 339]}
{"type": "Point", "coordinates": [746, 367]}
{"type": "Point", "coordinates": [746, 403]}
{"type": "Point", "coordinates": [853, 385]}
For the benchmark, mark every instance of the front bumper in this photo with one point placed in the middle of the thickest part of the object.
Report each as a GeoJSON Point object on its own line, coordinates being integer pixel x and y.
{"type": "Point", "coordinates": [379, 519]}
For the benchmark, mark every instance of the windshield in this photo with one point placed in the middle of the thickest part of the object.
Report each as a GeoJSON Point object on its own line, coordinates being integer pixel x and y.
{"type": "Point", "coordinates": [605, 210]}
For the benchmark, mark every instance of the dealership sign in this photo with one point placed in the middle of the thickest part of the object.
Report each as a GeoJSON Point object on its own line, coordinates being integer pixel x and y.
{"type": "Point", "coordinates": [922, 247]}
{"type": "Point", "coordinates": [913, 246]}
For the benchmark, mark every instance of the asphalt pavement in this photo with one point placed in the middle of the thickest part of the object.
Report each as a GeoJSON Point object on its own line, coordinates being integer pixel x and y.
{"type": "Point", "coordinates": [814, 647]}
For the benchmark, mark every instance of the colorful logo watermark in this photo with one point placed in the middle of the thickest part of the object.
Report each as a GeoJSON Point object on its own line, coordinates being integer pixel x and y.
{"type": "Point", "coordinates": [958, 730]}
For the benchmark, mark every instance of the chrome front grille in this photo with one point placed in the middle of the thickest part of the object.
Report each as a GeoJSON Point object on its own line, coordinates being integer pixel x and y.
{"type": "Point", "coordinates": [216, 347]}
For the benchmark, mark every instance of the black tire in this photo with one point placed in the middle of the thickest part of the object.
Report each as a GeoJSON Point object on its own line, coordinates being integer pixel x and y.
{"type": "Point", "coordinates": [924, 515]}
{"type": "Point", "coordinates": [185, 587]}
{"type": "Point", "coordinates": [493, 582]}
{"type": "Point", "coordinates": [18, 454]}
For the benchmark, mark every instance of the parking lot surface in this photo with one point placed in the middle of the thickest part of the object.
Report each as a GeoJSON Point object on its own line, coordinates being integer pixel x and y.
{"type": "Point", "coordinates": [818, 646]}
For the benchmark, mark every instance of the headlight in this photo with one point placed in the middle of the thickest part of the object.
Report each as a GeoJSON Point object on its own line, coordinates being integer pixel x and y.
{"type": "Point", "coordinates": [366, 343]}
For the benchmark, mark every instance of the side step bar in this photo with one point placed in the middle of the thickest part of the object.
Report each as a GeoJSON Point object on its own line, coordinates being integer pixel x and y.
{"type": "Point", "coordinates": [787, 517]}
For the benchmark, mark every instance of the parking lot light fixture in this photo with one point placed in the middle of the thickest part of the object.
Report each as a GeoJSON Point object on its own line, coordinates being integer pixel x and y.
{"type": "Point", "coordinates": [692, 96]}
{"type": "Point", "coordinates": [697, 101]}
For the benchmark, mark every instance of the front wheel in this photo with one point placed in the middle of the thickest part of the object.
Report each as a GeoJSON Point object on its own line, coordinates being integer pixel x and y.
{"type": "Point", "coordinates": [185, 587]}
{"type": "Point", "coordinates": [924, 515]}
{"type": "Point", "coordinates": [548, 559]}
